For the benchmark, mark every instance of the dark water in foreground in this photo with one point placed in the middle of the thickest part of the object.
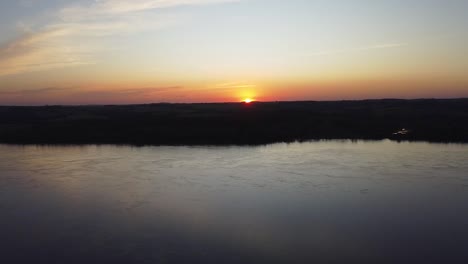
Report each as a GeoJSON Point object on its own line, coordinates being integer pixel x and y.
{"type": "Point", "coordinates": [319, 202]}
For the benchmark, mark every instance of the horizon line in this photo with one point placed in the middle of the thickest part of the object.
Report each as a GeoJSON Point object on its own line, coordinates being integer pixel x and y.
{"type": "Point", "coordinates": [237, 102]}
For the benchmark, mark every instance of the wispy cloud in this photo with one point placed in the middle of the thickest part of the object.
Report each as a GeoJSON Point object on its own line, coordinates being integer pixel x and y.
{"type": "Point", "coordinates": [31, 92]}
{"type": "Point", "coordinates": [59, 43]}
{"type": "Point", "coordinates": [39, 51]}
{"type": "Point", "coordinates": [385, 46]}
{"type": "Point", "coordinates": [357, 49]}
{"type": "Point", "coordinates": [234, 85]}
{"type": "Point", "coordinates": [119, 7]}
{"type": "Point", "coordinates": [85, 96]}
{"type": "Point", "coordinates": [125, 93]}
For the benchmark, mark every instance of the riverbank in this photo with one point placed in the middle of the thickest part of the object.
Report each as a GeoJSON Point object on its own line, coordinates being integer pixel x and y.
{"type": "Point", "coordinates": [430, 120]}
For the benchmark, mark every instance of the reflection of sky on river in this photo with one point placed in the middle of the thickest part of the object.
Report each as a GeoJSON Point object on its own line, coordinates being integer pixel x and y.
{"type": "Point", "coordinates": [336, 200]}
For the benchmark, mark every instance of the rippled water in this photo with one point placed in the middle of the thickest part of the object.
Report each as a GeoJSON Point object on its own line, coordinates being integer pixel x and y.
{"type": "Point", "coordinates": [318, 202]}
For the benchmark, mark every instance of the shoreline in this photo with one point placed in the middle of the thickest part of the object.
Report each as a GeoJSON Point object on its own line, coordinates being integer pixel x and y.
{"type": "Point", "coordinates": [236, 124]}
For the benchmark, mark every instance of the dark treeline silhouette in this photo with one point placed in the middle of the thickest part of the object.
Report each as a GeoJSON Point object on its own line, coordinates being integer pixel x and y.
{"type": "Point", "coordinates": [236, 123]}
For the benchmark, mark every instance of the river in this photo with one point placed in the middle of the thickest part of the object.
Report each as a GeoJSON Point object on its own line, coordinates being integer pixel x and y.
{"type": "Point", "coordinates": [311, 202]}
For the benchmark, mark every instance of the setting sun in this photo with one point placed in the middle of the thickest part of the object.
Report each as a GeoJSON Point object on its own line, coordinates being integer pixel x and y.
{"type": "Point", "coordinates": [248, 100]}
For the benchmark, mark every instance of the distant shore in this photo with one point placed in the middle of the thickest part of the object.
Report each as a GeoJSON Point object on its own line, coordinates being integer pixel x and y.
{"type": "Point", "coordinates": [433, 120]}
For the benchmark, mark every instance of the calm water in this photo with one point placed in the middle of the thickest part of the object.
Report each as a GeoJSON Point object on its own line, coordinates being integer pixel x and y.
{"type": "Point", "coordinates": [321, 202]}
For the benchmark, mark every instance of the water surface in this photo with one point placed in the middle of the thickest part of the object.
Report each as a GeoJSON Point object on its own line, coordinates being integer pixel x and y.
{"type": "Point", "coordinates": [317, 202]}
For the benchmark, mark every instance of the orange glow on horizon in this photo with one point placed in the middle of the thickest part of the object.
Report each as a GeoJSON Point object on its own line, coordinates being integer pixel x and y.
{"type": "Point", "coordinates": [248, 100]}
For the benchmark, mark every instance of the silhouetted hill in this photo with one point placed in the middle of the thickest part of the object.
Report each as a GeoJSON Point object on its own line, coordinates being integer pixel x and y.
{"type": "Point", "coordinates": [236, 123]}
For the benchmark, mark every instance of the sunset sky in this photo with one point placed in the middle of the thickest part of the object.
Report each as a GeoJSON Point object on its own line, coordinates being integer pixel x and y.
{"type": "Point", "coordinates": [143, 51]}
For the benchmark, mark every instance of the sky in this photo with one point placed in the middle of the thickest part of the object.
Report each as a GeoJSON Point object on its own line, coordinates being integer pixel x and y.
{"type": "Point", "coordinates": [149, 51]}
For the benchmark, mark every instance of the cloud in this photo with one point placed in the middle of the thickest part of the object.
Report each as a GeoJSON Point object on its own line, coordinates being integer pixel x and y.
{"type": "Point", "coordinates": [75, 95]}
{"type": "Point", "coordinates": [78, 91]}
{"type": "Point", "coordinates": [75, 33]}
{"type": "Point", "coordinates": [364, 48]}
{"type": "Point", "coordinates": [384, 46]}
{"type": "Point", "coordinates": [31, 92]}
{"type": "Point", "coordinates": [234, 85]}
{"type": "Point", "coordinates": [37, 51]}
{"type": "Point", "coordinates": [120, 7]}
{"type": "Point", "coordinates": [125, 93]}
